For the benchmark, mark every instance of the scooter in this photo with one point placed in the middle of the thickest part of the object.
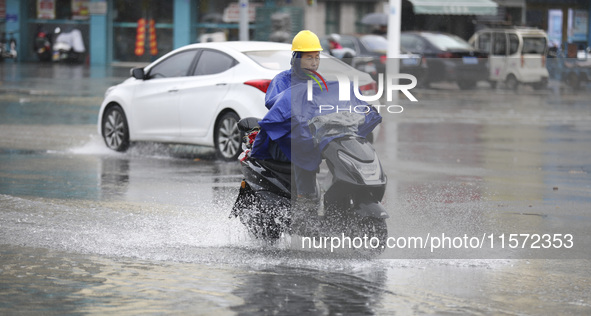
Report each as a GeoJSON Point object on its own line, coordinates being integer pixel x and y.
{"type": "Point", "coordinates": [68, 46]}
{"type": "Point", "coordinates": [349, 207]}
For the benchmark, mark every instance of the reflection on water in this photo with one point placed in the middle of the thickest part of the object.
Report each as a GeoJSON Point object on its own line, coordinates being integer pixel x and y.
{"type": "Point", "coordinates": [34, 173]}
{"type": "Point", "coordinates": [132, 176]}
{"type": "Point", "coordinates": [265, 283]}
{"type": "Point", "coordinates": [283, 290]}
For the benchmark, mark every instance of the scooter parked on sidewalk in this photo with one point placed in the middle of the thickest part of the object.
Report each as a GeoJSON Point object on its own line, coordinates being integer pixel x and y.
{"type": "Point", "coordinates": [68, 46]}
{"type": "Point", "coordinates": [350, 206]}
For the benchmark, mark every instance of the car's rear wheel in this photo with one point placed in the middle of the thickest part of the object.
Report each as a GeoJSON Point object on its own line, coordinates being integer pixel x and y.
{"type": "Point", "coordinates": [115, 129]}
{"type": "Point", "coordinates": [227, 136]}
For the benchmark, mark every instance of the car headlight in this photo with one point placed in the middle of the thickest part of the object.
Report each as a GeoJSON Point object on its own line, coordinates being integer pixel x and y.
{"type": "Point", "coordinates": [369, 171]}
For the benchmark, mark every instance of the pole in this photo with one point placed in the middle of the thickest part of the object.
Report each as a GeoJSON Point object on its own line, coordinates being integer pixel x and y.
{"type": "Point", "coordinates": [394, 17]}
{"type": "Point", "coordinates": [243, 27]}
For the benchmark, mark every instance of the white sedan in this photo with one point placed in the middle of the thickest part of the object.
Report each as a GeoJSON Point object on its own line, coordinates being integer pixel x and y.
{"type": "Point", "coordinates": [196, 94]}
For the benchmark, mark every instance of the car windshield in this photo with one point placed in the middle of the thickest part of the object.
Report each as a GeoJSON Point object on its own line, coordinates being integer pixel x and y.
{"type": "Point", "coordinates": [534, 45]}
{"type": "Point", "coordinates": [329, 68]}
{"type": "Point", "coordinates": [375, 43]}
{"type": "Point", "coordinates": [447, 42]}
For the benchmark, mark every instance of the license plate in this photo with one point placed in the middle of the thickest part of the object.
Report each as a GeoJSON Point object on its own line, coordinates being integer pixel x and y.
{"type": "Point", "coordinates": [410, 61]}
{"type": "Point", "coordinates": [470, 60]}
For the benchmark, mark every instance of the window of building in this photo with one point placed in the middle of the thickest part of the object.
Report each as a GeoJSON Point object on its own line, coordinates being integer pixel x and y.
{"type": "Point", "coordinates": [126, 14]}
{"type": "Point", "coordinates": [333, 17]}
{"type": "Point", "coordinates": [362, 9]}
{"type": "Point", "coordinates": [52, 17]}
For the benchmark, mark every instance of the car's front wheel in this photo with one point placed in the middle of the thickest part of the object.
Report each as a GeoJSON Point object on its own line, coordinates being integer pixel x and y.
{"type": "Point", "coordinates": [227, 136]}
{"type": "Point", "coordinates": [511, 82]}
{"type": "Point", "coordinates": [115, 129]}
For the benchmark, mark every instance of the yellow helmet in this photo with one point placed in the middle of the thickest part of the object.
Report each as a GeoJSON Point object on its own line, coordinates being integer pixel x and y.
{"type": "Point", "coordinates": [305, 41]}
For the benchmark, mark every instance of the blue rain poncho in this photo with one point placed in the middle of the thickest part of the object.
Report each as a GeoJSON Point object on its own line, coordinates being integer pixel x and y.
{"type": "Point", "coordinates": [281, 82]}
{"type": "Point", "coordinates": [285, 79]}
{"type": "Point", "coordinates": [287, 123]}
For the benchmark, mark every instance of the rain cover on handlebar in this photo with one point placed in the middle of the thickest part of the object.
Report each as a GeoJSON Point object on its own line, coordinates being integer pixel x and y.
{"type": "Point", "coordinates": [325, 117]}
{"type": "Point", "coordinates": [333, 125]}
{"type": "Point", "coordinates": [247, 124]}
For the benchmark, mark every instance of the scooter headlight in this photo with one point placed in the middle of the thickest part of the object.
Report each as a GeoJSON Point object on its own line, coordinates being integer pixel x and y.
{"type": "Point", "coordinates": [369, 171]}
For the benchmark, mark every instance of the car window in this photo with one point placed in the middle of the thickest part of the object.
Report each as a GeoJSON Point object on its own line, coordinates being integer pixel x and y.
{"type": "Point", "coordinates": [499, 44]}
{"type": "Point", "coordinates": [447, 42]}
{"type": "Point", "coordinates": [513, 44]}
{"type": "Point", "coordinates": [412, 43]}
{"type": "Point", "coordinates": [375, 43]}
{"type": "Point", "coordinates": [271, 59]}
{"type": "Point", "coordinates": [348, 43]}
{"type": "Point", "coordinates": [329, 67]}
{"type": "Point", "coordinates": [534, 45]}
{"type": "Point", "coordinates": [213, 62]}
{"type": "Point", "coordinates": [484, 42]}
{"type": "Point", "coordinates": [176, 65]}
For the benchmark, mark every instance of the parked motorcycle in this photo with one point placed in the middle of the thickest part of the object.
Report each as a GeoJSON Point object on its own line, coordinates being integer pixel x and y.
{"type": "Point", "coordinates": [68, 46]}
{"type": "Point", "coordinates": [350, 206]}
{"type": "Point", "coordinates": [43, 46]}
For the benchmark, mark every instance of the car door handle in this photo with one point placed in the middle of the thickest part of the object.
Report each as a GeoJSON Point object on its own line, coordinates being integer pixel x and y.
{"type": "Point", "coordinates": [221, 84]}
{"type": "Point", "coordinates": [173, 90]}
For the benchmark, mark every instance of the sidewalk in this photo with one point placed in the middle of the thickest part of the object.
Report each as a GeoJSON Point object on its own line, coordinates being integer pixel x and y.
{"type": "Point", "coordinates": [59, 79]}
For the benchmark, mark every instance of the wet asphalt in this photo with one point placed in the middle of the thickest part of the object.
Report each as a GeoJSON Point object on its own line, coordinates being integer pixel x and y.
{"type": "Point", "coordinates": [480, 163]}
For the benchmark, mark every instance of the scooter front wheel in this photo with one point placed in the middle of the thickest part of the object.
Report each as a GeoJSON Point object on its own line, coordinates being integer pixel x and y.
{"type": "Point", "coordinates": [374, 232]}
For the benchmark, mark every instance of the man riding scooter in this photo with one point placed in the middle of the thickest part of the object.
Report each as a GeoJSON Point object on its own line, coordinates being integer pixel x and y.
{"type": "Point", "coordinates": [287, 121]}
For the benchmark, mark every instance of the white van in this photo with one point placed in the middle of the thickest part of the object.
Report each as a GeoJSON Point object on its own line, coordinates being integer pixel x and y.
{"type": "Point", "coordinates": [516, 55]}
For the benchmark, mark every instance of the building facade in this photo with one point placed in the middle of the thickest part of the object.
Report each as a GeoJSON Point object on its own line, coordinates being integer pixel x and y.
{"type": "Point", "coordinates": [142, 30]}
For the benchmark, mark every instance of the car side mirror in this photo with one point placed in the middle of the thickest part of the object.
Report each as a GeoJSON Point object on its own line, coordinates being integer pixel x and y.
{"type": "Point", "coordinates": [138, 73]}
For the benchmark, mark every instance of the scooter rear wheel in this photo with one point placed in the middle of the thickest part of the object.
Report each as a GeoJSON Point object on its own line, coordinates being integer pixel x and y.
{"type": "Point", "coordinates": [260, 220]}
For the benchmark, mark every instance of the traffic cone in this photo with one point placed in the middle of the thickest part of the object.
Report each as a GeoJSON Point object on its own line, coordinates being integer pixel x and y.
{"type": "Point", "coordinates": [140, 39]}
{"type": "Point", "coordinates": [153, 44]}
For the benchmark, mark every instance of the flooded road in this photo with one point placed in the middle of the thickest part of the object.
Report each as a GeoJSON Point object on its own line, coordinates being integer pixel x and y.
{"type": "Point", "coordinates": [84, 230]}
